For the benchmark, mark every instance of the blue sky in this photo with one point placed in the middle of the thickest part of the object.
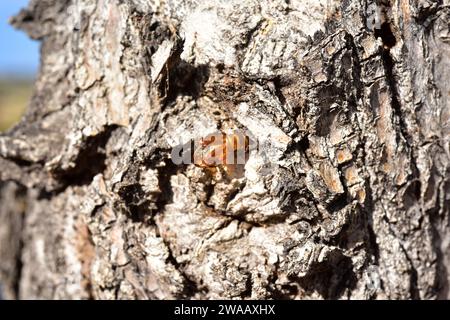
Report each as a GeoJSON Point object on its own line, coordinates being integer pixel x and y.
{"type": "Point", "coordinates": [19, 55]}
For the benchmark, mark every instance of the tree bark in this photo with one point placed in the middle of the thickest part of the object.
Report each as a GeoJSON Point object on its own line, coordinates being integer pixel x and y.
{"type": "Point", "coordinates": [353, 201]}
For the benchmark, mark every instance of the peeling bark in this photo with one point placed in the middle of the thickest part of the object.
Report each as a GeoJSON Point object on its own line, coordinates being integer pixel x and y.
{"type": "Point", "coordinates": [353, 202]}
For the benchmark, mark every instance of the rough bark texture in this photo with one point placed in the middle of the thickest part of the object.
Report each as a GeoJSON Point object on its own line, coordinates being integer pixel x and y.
{"type": "Point", "coordinates": [353, 204]}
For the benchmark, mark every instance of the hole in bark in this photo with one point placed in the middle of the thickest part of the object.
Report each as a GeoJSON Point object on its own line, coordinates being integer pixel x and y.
{"type": "Point", "coordinates": [136, 202]}
{"type": "Point", "coordinates": [301, 145]}
{"type": "Point", "coordinates": [141, 206]}
{"type": "Point", "coordinates": [186, 80]}
{"type": "Point", "coordinates": [331, 278]}
{"type": "Point", "coordinates": [90, 160]}
{"type": "Point", "coordinates": [325, 123]}
{"type": "Point", "coordinates": [247, 293]}
{"type": "Point", "coordinates": [386, 35]}
{"type": "Point", "coordinates": [279, 83]}
{"type": "Point", "coordinates": [412, 195]}
{"type": "Point", "coordinates": [154, 26]}
{"type": "Point", "coordinates": [157, 33]}
{"type": "Point", "coordinates": [220, 67]}
{"type": "Point", "coordinates": [164, 174]}
{"type": "Point", "coordinates": [338, 204]}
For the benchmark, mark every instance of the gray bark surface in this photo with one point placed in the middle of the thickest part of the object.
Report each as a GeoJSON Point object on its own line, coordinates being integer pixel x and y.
{"type": "Point", "coordinates": [353, 204]}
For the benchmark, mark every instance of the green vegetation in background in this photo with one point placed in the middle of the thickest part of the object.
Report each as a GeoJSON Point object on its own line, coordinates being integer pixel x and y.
{"type": "Point", "coordinates": [14, 98]}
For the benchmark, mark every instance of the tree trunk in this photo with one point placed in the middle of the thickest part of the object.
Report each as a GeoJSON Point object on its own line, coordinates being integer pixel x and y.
{"type": "Point", "coordinates": [350, 201]}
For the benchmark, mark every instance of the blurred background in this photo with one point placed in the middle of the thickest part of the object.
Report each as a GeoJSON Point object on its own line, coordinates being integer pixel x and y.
{"type": "Point", "coordinates": [19, 60]}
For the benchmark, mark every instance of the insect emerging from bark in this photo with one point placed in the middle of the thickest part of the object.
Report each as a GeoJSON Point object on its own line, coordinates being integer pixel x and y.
{"type": "Point", "coordinates": [223, 152]}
